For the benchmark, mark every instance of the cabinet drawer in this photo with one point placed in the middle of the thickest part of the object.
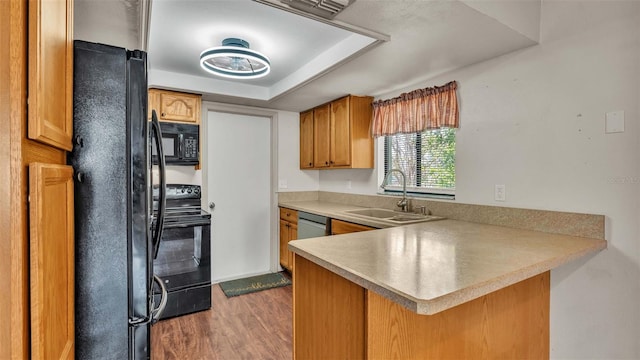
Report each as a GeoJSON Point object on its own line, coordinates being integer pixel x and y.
{"type": "Point", "coordinates": [342, 227]}
{"type": "Point", "coordinates": [289, 215]}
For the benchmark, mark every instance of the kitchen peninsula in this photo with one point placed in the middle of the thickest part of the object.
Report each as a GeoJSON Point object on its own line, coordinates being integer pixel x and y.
{"type": "Point", "coordinates": [441, 289]}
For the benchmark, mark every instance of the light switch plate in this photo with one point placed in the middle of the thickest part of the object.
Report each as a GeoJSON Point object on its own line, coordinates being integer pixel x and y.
{"type": "Point", "coordinates": [499, 193]}
{"type": "Point", "coordinates": [614, 122]}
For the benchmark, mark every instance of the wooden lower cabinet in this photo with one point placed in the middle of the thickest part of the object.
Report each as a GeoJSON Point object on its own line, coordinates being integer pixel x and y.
{"type": "Point", "coordinates": [52, 261]}
{"type": "Point", "coordinates": [328, 314]}
{"type": "Point", "coordinates": [288, 232]}
{"type": "Point", "coordinates": [337, 319]}
{"type": "Point", "coordinates": [342, 227]}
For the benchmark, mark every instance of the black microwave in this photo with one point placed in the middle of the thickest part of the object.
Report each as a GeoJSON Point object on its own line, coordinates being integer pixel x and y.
{"type": "Point", "coordinates": [180, 143]}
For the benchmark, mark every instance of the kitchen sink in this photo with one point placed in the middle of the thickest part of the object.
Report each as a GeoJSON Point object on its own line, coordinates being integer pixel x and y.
{"type": "Point", "coordinates": [375, 213]}
{"type": "Point", "coordinates": [395, 217]}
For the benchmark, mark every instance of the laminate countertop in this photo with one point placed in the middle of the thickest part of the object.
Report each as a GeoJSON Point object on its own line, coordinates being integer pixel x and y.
{"type": "Point", "coordinates": [340, 212]}
{"type": "Point", "coordinates": [433, 266]}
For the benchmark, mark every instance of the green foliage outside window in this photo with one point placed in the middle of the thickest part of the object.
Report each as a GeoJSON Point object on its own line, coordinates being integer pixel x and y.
{"type": "Point", "coordinates": [427, 159]}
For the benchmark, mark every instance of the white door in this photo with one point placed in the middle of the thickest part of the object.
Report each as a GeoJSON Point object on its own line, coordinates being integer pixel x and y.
{"type": "Point", "coordinates": [238, 182]}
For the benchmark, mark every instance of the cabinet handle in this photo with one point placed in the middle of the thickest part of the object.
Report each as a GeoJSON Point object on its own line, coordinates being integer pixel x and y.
{"type": "Point", "coordinates": [288, 214]}
{"type": "Point", "coordinates": [163, 114]}
{"type": "Point", "coordinates": [326, 163]}
{"type": "Point", "coordinates": [310, 164]}
{"type": "Point", "coordinates": [331, 161]}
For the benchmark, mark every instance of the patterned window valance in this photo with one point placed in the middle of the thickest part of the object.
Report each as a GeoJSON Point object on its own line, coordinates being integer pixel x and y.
{"type": "Point", "coordinates": [416, 111]}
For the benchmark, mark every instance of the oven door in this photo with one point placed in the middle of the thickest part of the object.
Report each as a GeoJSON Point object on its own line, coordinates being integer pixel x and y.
{"type": "Point", "coordinates": [184, 255]}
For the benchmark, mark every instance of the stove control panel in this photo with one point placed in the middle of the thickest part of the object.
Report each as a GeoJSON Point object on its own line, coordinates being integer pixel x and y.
{"type": "Point", "coordinates": [180, 191]}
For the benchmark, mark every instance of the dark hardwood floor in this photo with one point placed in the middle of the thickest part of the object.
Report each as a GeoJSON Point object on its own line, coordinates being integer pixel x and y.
{"type": "Point", "coordinates": [251, 326]}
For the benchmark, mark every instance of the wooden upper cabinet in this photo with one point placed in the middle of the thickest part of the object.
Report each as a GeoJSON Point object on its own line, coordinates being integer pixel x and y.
{"type": "Point", "coordinates": [306, 140]}
{"type": "Point", "coordinates": [341, 134]}
{"type": "Point", "coordinates": [175, 106]}
{"type": "Point", "coordinates": [321, 136]}
{"type": "Point", "coordinates": [51, 261]}
{"type": "Point", "coordinates": [50, 99]}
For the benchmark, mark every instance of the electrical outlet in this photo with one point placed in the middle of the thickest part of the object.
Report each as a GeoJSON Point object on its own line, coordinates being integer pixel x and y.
{"type": "Point", "coordinates": [500, 193]}
{"type": "Point", "coordinates": [348, 184]}
{"type": "Point", "coordinates": [614, 122]}
{"type": "Point", "coordinates": [282, 183]}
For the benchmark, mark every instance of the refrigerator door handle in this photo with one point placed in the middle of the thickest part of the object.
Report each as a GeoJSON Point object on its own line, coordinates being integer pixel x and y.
{"type": "Point", "coordinates": [162, 188]}
{"type": "Point", "coordinates": [155, 313]}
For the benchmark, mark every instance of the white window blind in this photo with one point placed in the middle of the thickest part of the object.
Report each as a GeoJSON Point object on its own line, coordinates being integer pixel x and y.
{"type": "Point", "coordinates": [427, 159]}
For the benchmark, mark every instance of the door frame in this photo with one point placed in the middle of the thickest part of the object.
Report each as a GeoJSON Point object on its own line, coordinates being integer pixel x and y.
{"type": "Point", "coordinates": [274, 262]}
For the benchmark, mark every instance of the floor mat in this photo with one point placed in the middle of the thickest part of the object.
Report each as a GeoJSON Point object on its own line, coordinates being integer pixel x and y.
{"type": "Point", "coordinates": [253, 284]}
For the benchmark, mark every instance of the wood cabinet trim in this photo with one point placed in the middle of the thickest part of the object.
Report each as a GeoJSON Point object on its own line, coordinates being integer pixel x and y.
{"type": "Point", "coordinates": [14, 312]}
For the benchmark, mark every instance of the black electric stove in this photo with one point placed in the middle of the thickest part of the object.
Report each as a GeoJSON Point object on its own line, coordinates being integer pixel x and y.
{"type": "Point", "coordinates": [184, 254]}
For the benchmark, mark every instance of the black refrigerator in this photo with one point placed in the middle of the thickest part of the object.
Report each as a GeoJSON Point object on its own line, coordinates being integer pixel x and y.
{"type": "Point", "coordinates": [113, 203]}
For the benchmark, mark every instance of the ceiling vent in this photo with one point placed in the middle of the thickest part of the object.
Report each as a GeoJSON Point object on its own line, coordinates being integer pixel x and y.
{"type": "Point", "coordinates": [327, 9]}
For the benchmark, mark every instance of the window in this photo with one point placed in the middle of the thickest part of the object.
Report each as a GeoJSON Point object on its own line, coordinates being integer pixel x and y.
{"type": "Point", "coordinates": [427, 159]}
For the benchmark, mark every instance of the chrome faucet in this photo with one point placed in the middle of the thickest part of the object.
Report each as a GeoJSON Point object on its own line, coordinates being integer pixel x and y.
{"type": "Point", "coordinates": [403, 204]}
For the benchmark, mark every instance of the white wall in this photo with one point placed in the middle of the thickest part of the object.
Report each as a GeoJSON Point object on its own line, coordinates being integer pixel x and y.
{"type": "Point", "coordinates": [534, 120]}
{"type": "Point", "coordinates": [183, 175]}
{"type": "Point", "coordinates": [290, 177]}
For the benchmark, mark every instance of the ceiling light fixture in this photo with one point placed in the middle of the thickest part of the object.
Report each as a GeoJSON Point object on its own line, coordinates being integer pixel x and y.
{"type": "Point", "coordinates": [235, 60]}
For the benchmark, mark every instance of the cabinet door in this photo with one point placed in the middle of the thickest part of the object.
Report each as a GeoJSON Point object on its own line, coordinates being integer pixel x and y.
{"type": "Point", "coordinates": [340, 133]}
{"type": "Point", "coordinates": [293, 235]}
{"type": "Point", "coordinates": [51, 72]}
{"type": "Point", "coordinates": [306, 140]}
{"type": "Point", "coordinates": [178, 107]}
{"type": "Point", "coordinates": [321, 135]}
{"type": "Point", "coordinates": [284, 241]}
{"type": "Point", "coordinates": [51, 261]}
